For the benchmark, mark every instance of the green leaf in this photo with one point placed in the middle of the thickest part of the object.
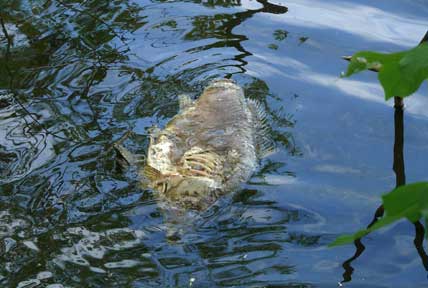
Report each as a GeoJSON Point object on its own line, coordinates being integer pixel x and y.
{"type": "Point", "coordinates": [408, 201]}
{"type": "Point", "coordinates": [400, 74]}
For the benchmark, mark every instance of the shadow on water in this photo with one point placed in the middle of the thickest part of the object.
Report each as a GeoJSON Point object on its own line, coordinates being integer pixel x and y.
{"type": "Point", "coordinates": [72, 81]}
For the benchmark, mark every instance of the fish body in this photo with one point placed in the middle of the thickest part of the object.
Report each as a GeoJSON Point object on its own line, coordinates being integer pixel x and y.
{"type": "Point", "coordinates": [209, 148]}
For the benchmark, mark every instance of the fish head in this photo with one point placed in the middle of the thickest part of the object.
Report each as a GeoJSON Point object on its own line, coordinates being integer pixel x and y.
{"type": "Point", "coordinates": [222, 83]}
{"type": "Point", "coordinates": [222, 95]}
{"type": "Point", "coordinates": [161, 151]}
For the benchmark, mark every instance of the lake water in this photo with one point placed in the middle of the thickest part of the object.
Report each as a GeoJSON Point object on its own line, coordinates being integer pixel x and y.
{"type": "Point", "coordinates": [77, 75]}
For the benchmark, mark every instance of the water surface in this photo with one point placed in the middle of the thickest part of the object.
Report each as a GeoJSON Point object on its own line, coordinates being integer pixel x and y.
{"type": "Point", "coordinates": [77, 75]}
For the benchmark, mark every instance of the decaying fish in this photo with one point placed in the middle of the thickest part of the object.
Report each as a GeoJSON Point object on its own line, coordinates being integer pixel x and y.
{"type": "Point", "coordinates": [209, 148]}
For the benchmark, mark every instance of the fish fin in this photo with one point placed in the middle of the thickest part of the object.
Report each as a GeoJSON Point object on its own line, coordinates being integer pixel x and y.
{"type": "Point", "coordinates": [185, 101]}
{"type": "Point", "coordinates": [124, 157]}
{"type": "Point", "coordinates": [154, 132]}
{"type": "Point", "coordinates": [151, 173]}
{"type": "Point", "coordinates": [265, 145]}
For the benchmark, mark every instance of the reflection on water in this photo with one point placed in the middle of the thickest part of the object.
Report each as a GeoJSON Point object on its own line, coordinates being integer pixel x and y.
{"type": "Point", "coordinates": [75, 76]}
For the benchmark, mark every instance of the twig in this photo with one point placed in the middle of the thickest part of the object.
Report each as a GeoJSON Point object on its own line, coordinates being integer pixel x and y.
{"type": "Point", "coordinates": [8, 38]}
{"type": "Point", "coordinates": [7, 57]}
{"type": "Point", "coordinates": [121, 38]}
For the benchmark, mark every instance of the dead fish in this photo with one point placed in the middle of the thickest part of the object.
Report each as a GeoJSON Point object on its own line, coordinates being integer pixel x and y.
{"type": "Point", "coordinates": [209, 148]}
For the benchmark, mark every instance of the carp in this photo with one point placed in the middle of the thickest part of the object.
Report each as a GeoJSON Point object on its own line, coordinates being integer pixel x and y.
{"type": "Point", "coordinates": [209, 148]}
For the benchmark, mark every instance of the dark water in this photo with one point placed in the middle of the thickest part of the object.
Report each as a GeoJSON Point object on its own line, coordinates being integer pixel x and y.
{"type": "Point", "coordinates": [76, 75]}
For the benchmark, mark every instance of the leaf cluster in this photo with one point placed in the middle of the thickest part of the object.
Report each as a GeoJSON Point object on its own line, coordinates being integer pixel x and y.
{"type": "Point", "coordinates": [400, 74]}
